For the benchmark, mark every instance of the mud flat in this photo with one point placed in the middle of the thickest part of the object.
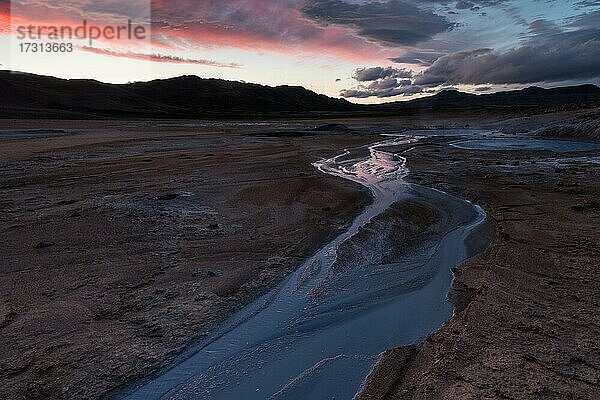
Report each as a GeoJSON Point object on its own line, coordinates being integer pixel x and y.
{"type": "Point", "coordinates": [527, 325]}
{"type": "Point", "coordinates": [124, 241]}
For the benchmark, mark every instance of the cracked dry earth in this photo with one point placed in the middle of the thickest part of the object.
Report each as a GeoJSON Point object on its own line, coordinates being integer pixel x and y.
{"type": "Point", "coordinates": [527, 323]}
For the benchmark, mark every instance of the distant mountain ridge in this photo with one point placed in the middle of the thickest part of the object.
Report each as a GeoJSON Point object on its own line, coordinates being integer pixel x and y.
{"type": "Point", "coordinates": [36, 96]}
{"type": "Point", "coordinates": [570, 96]}
{"type": "Point", "coordinates": [30, 96]}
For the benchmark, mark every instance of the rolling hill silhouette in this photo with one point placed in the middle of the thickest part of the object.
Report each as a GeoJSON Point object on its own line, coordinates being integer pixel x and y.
{"type": "Point", "coordinates": [35, 96]}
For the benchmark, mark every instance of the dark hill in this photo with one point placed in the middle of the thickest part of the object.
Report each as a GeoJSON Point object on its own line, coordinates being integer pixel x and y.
{"type": "Point", "coordinates": [34, 96]}
{"type": "Point", "coordinates": [572, 97]}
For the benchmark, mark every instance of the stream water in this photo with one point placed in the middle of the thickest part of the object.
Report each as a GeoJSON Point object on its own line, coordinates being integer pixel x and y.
{"type": "Point", "coordinates": [530, 144]}
{"type": "Point", "coordinates": [305, 341]}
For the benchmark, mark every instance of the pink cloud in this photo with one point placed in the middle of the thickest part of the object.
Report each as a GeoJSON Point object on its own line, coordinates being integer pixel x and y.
{"type": "Point", "coordinates": [157, 58]}
{"type": "Point", "coordinates": [277, 25]}
{"type": "Point", "coordinates": [182, 25]}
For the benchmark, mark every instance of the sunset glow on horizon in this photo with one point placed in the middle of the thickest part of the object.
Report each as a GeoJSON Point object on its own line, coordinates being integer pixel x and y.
{"type": "Point", "coordinates": [365, 51]}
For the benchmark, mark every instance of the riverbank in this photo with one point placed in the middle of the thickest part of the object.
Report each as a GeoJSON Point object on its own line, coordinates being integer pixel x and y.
{"type": "Point", "coordinates": [526, 325]}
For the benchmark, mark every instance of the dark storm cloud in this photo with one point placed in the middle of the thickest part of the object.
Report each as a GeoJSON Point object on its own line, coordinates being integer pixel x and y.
{"type": "Point", "coordinates": [547, 53]}
{"type": "Point", "coordinates": [389, 83]}
{"type": "Point", "coordinates": [588, 3]}
{"type": "Point", "coordinates": [589, 20]}
{"type": "Point", "coordinates": [363, 92]}
{"type": "Point", "coordinates": [382, 82]}
{"type": "Point", "coordinates": [563, 56]}
{"type": "Point", "coordinates": [543, 27]}
{"type": "Point", "coordinates": [464, 4]}
{"type": "Point", "coordinates": [375, 73]}
{"type": "Point", "coordinates": [392, 22]}
{"type": "Point", "coordinates": [418, 57]}
{"type": "Point", "coordinates": [476, 5]}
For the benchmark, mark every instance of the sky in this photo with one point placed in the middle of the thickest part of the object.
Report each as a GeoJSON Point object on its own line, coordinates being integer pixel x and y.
{"type": "Point", "coordinates": [367, 51]}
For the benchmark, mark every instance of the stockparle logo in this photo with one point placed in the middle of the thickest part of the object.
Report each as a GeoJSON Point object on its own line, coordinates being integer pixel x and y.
{"type": "Point", "coordinates": [63, 36]}
{"type": "Point", "coordinates": [84, 31]}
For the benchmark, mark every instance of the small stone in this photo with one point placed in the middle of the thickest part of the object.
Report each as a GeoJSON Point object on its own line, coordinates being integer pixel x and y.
{"type": "Point", "coordinates": [168, 196]}
{"type": "Point", "coordinates": [44, 244]}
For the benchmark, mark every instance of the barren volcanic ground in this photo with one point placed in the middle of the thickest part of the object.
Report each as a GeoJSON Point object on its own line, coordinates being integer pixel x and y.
{"type": "Point", "coordinates": [527, 324]}
{"type": "Point", "coordinates": [123, 241]}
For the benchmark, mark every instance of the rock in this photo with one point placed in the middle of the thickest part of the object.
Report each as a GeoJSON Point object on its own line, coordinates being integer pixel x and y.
{"type": "Point", "coordinates": [167, 196]}
{"type": "Point", "coordinates": [204, 296]}
{"type": "Point", "coordinates": [332, 128]}
{"type": "Point", "coordinates": [593, 205]}
{"type": "Point", "coordinates": [206, 272]}
{"type": "Point", "coordinates": [44, 244]}
{"type": "Point", "coordinates": [4, 313]}
{"type": "Point", "coordinates": [213, 274]}
{"type": "Point", "coordinates": [384, 374]}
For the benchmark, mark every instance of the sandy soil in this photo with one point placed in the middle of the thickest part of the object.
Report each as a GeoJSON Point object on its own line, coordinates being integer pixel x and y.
{"type": "Point", "coordinates": [124, 241]}
{"type": "Point", "coordinates": [527, 323]}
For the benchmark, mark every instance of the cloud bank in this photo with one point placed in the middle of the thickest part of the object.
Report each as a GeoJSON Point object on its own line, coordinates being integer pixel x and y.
{"type": "Point", "coordinates": [390, 23]}
{"type": "Point", "coordinates": [382, 82]}
{"type": "Point", "coordinates": [547, 53]}
{"type": "Point", "coordinates": [555, 57]}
